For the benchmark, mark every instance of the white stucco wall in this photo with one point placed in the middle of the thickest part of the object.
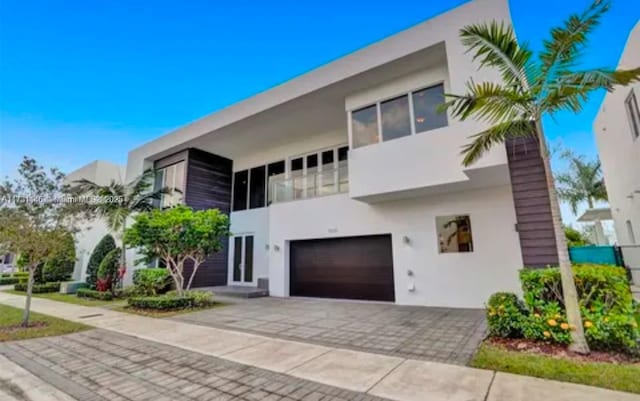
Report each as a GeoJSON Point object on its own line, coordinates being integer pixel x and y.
{"type": "Point", "coordinates": [91, 232]}
{"type": "Point", "coordinates": [251, 222]}
{"type": "Point", "coordinates": [455, 279]}
{"type": "Point", "coordinates": [619, 151]}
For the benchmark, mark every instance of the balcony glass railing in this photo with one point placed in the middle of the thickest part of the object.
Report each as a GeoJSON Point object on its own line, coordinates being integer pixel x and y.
{"type": "Point", "coordinates": [310, 185]}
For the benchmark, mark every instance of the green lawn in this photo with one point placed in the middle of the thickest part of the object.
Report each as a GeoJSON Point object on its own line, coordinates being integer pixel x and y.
{"type": "Point", "coordinates": [12, 317]}
{"type": "Point", "coordinates": [165, 313]}
{"type": "Point", "coordinates": [621, 377]}
{"type": "Point", "coordinates": [70, 298]}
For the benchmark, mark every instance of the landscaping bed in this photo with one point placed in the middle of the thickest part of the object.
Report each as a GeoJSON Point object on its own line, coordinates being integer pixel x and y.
{"type": "Point", "coordinates": [69, 298]}
{"type": "Point", "coordinates": [39, 325]}
{"type": "Point", "coordinates": [559, 364]}
{"type": "Point", "coordinates": [160, 313]}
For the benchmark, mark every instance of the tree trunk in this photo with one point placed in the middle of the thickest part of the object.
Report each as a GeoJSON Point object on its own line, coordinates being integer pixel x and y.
{"type": "Point", "coordinates": [193, 274]}
{"type": "Point", "coordinates": [27, 305]}
{"type": "Point", "coordinates": [123, 255]}
{"type": "Point", "coordinates": [570, 294]}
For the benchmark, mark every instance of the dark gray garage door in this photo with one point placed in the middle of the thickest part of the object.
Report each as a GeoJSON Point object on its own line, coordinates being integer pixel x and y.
{"type": "Point", "coordinates": [350, 268]}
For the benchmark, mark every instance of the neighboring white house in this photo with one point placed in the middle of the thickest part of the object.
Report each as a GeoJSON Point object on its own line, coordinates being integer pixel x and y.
{"type": "Point", "coordinates": [91, 232]}
{"type": "Point", "coordinates": [617, 130]}
{"type": "Point", "coordinates": [346, 182]}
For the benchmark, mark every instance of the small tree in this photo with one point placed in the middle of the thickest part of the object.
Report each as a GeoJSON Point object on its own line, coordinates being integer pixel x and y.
{"type": "Point", "coordinates": [108, 271]}
{"type": "Point", "coordinates": [59, 266]}
{"type": "Point", "coordinates": [106, 245]}
{"type": "Point", "coordinates": [33, 219]}
{"type": "Point", "coordinates": [177, 236]}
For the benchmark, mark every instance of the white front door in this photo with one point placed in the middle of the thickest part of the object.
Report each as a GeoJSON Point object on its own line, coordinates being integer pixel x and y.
{"type": "Point", "coordinates": [243, 260]}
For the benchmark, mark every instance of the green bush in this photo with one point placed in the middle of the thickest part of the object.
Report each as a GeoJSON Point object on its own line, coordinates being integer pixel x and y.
{"type": "Point", "coordinates": [20, 274]}
{"type": "Point", "coordinates": [605, 299]}
{"type": "Point", "coordinates": [162, 302]}
{"type": "Point", "coordinates": [38, 288]}
{"type": "Point", "coordinates": [505, 315]}
{"type": "Point", "coordinates": [93, 294]}
{"type": "Point", "coordinates": [198, 298]}
{"type": "Point", "coordinates": [9, 280]}
{"type": "Point", "coordinates": [106, 245]}
{"type": "Point", "coordinates": [59, 267]}
{"type": "Point", "coordinates": [108, 271]}
{"type": "Point", "coordinates": [5, 275]}
{"type": "Point", "coordinates": [151, 282]}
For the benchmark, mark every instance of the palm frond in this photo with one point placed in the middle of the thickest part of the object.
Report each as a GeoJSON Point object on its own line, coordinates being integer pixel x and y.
{"type": "Point", "coordinates": [495, 135]}
{"type": "Point", "coordinates": [568, 41]}
{"type": "Point", "coordinates": [495, 45]}
{"type": "Point", "coordinates": [490, 102]}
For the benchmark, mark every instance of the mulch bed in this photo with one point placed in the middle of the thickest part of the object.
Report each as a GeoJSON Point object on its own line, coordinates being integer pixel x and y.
{"type": "Point", "coordinates": [18, 327]}
{"type": "Point", "coordinates": [560, 351]}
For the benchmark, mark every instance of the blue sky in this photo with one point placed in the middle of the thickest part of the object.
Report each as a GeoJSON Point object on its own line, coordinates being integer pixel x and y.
{"type": "Point", "coordinates": [83, 80]}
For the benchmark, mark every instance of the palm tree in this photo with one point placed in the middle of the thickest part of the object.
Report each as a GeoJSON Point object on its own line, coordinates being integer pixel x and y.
{"type": "Point", "coordinates": [116, 202]}
{"type": "Point", "coordinates": [582, 183]}
{"type": "Point", "coordinates": [530, 89]}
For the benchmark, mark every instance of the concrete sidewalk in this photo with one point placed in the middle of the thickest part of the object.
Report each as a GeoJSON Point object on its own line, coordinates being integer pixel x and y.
{"type": "Point", "coordinates": [19, 385]}
{"type": "Point", "coordinates": [384, 376]}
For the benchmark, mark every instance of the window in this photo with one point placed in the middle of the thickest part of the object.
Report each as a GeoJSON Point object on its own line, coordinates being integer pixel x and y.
{"type": "Point", "coordinates": [275, 173]}
{"type": "Point", "coordinates": [631, 104]}
{"type": "Point", "coordinates": [257, 187]}
{"type": "Point", "coordinates": [454, 234]}
{"type": "Point", "coordinates": [425, 109]}
{"type": "Point", "coordinates": [395, 117]}
{"type": "Point", "coordinates": [172, 177]}
{"type": "Point", "coordinates": [396, 121]}
{"type": "Point", "coordinates": [240, 188]}
{"type": "Point", "coordinates": [364, 126]}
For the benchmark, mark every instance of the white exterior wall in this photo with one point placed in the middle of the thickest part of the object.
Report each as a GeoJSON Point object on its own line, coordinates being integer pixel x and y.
{"type": "Point", "coordinates": [619, 151]}
{"type": "Point", "coordinates": [91, 232]}
{"type": "Point", "coordinates": [453, 279]}
{"type": "Point", "coordinates": [251, 222]}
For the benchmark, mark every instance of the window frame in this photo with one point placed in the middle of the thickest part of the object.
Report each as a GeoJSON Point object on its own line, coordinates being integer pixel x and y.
{"type": "Point", "coordinates": [633, 114]}
{"type": "Point", "coordinates": [378, 104]}
{"type": "Point", "coordinates": [163, 172]}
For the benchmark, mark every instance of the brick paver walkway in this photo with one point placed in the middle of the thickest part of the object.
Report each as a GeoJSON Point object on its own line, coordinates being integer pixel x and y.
{"type": "Point", "coordinates": [416, 332]}
{"type": "Point", "coordinates": [99, 365]}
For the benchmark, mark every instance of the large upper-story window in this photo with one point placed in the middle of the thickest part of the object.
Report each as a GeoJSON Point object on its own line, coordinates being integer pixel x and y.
{"type": "Point", "coordinates": [631, 104]}
{"type": "Point", "coordinates": [172, 177]}
{"type": "Point", "coordinates": [413, 113]}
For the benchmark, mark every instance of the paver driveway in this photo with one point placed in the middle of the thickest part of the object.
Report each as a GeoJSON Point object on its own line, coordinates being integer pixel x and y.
{"type": "Point", "coordinates": [436, 334]}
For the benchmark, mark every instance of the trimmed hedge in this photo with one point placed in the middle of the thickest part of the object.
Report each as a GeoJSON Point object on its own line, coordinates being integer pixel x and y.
{"type": "Point", "coordinates": [9, 280]}
{"type": "Point", "coordinates": [93, 294]}
{"type": "Point", "coordinates": [606, 305]}
{"type": "Point", "coordinates": [198, 298]}
{"type": "Point", "coordinates": [20, 274]}
{"type": "Point", "coordinates": [163, 302]}
{"type": "Point", "coordinates": [38, 288]}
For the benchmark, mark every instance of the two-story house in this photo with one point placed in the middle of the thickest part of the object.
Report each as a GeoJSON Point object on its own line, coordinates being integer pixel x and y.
{"type": "Point", "coordinates": [347, 181]}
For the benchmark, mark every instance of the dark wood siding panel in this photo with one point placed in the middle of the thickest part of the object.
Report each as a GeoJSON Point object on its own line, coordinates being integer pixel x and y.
{"type": "Point", "coordinates": [209, 187]}
{"type": "Point", "coordinates": [531, 199]}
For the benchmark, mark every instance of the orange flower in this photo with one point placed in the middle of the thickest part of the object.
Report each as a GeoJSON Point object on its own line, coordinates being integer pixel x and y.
{"type": "Point", "coordinates": [588, 324]}
{"type": "Point", "coordinates": [536, 315]}
{"type": "Point", "coordinates": [564, 326]}
{"type": "Point", "coordinates": [547, 334]}
{"type": "Point", "coordinates": [552, 322]}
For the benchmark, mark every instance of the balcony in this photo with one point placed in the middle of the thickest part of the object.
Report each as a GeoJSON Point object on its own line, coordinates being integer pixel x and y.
{"type": "Point", "coordinates": [311, 185]}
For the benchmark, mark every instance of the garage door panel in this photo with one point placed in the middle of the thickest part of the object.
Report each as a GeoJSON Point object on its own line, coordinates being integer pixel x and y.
{"type": "Point", "coordinates": [350, 268]}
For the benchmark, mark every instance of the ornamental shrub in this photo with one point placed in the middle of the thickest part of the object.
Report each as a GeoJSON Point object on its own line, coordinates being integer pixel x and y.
{"type": "Point", "coordinates": [93, 294]}
{"type": "Point", "coordinates": [9, 280]}
{"type": "Point", "coordinates": [108, 271]}
{"type": "Point", "coordinates": [505, 315]}
{"type": "Point", "coordinates": [606, 304]}
{"type": "Point", "coordinates": [151, 282]}
{"type": "Point", "coordinates": [162, 302]}
{"type": "Point", "coordinates": [106, 245]}
{"type": "Point", "coordinates": [59, 267]}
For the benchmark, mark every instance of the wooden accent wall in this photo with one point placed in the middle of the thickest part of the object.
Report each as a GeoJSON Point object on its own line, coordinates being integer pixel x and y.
{"type": "Point", "coordinates": [531, 199]}
{"type": "Point", "coordinates": [208, 186]}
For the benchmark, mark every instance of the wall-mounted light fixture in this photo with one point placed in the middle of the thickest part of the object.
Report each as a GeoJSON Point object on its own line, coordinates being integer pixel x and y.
{"type": "Point", "coordinates": [266, 247]}
{"type": "Point", "coordinates": [410, 273]}
{"type": "Point", "coordinates": [406, 240]}
{"type": "Point", "coordinates": [412, 287]}
{"type": "Point", "coordinates": [276, 248]}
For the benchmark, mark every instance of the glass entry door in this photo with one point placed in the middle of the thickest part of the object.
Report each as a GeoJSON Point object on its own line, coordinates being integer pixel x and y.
{"type": "Point", "coordinates": [243, 259]}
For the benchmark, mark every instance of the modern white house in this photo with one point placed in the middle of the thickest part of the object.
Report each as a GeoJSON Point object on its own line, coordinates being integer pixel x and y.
{"type": "Point", "coordinates": [91, 232]}
{"type": "Point", "coordinates": [617, 131]}
{"type": "Point", "coordinates": [346, 182]}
